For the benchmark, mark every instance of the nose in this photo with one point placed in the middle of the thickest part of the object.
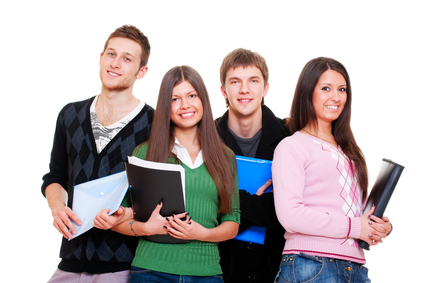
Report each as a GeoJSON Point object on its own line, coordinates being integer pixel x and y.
{"type": "Point", "coordinates": [184, 103]}
{"type": "Point", "coordinates": [116, 63]}
{"type": "Point", "coordinates": [244, 88]}
{"type": "Point", "coordinates": [335, 95]}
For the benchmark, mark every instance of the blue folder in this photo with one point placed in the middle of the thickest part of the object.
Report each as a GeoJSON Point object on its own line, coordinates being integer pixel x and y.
{"type": "Point", "coordinates": [252, 174]}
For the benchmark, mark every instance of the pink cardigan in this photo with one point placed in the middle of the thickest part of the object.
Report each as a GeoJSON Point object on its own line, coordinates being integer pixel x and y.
{"type": "Point", "coordinates": [317, 199]}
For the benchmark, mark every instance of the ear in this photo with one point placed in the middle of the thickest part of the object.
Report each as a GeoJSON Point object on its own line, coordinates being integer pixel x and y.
{"type": "Point", "coordinates": [223, 92]}
{"type": "Point", "coordinates": [266, 90]}
{"type": "Point", "coordinates": [101, 56]}
{"type": "Point", "coordinates": [142, 72]}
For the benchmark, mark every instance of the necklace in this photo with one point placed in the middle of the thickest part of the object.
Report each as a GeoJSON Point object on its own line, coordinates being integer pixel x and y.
{"type": "Point", "coordinates": [331, 142]}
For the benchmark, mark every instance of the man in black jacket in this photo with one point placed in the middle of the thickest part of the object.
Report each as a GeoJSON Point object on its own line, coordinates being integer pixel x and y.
{"type": "Point", "coordinates": [250, 129]}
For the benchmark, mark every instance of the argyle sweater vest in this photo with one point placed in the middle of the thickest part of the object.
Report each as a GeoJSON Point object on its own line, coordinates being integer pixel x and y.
{"type": "Point", "coordinates": [74, 160]}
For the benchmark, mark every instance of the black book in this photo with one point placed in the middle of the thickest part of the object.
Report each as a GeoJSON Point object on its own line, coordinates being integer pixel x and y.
{"type": "Point", "coordinates": [382, 190]}
{"type": "Point", "coordinates": [151, 183]}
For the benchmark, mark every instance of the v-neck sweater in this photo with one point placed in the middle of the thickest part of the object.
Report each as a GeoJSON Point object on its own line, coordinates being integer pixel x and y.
{"type": "Point", "coordinates": [74, 160]}
{"type": "Point", "coordinates": [195, 258]}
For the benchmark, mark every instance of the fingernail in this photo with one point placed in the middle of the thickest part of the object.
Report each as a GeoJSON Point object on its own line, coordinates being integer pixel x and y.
{"type": "Point", "coordinates": [373, 205]}
{"type": "Point", "coordinates": [190, 218]}
{"type": "Point", "coordinates": [370, 236]}
{"type": "Point", "coordinates": [369, 216]}
{"type": "Point", "coordinates": [370, 223]}
{"type": "Point", "coordinates": [190, 223]}
{"type": "Point", "coordinates": [187, 213]}
{"type": "Point", "coordinates": [165, 227]}
{"type": "Point", "coordinates": [166, 218]}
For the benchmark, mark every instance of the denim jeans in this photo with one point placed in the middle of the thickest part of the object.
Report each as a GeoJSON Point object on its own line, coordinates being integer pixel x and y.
{"type": "Point", "coordinates": [139, 275]}
{"type": "Point", "coordinates": [305, 268]}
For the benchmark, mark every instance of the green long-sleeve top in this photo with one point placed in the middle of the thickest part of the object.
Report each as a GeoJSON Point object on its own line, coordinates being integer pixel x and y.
{"type": "Point", "coordinates": [196, 258]}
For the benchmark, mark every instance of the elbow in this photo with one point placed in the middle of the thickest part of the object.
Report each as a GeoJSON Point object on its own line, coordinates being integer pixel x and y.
{"type": "Point", "coordinates": [234, 231]}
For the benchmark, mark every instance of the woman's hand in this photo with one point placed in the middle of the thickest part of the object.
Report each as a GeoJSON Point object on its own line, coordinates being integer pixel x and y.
{"type": "Point", "coordinates": [367, 233]}
{"type": "Point", "coordinates": [382, 226]}
{"type": "Point", "coordinates": [181, 226]}
{"type": "Point", "coordinates": [156, 224]}
{"type": "Point", "coordinates": [374, 229]}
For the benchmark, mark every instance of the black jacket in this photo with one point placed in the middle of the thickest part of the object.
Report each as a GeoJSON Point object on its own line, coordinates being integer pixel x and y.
{"type": "Point", "coordinates": [249, 262]}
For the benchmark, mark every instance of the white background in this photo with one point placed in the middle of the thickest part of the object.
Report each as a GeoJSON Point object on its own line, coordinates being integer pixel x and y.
{"type": "Point", "coordinates": [50, 56]}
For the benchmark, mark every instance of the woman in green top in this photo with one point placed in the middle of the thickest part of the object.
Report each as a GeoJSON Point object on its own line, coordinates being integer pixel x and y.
{"type": "Point", "coordinates": [183, 132]}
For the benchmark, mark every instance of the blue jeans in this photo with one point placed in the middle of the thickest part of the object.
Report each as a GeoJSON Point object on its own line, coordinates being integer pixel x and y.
{"type": "Point", "coordinates": [305, 268]}
{"type": "Point", "coordinates": [139, 275]}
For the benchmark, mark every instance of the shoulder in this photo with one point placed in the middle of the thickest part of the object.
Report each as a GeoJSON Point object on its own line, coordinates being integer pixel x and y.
{"type": "Point", "coordinates": [273, 123]}
{"type": "Point", "coordinates": [221, 123]}
{"type": "Point", "coordinates": [78, 105]}
{"type": "Point", "coordinates": [141, 150]}
{"type": "Point", "coordinates": [296, 142]}
{"type": "Point", "coordinates": [149, 108]}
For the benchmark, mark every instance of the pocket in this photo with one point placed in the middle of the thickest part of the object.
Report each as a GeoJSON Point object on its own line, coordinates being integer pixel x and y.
{"type": "Point", "coordinates": [300, 268]}
{"type": "Point", "coordinates": [364, 273]}
{"type": "Point", "coordinates": [140, 275]}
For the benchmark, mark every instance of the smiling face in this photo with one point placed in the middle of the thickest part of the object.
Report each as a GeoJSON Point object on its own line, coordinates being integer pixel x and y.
{"type": "Point", "coordinates": [186, 107]}
{"type": "Point", "coordinates": [329, 96]}
{"type": "Point", "coordinates": [120, 64]}
{"type": "Point", "coordinates": [244, 88]}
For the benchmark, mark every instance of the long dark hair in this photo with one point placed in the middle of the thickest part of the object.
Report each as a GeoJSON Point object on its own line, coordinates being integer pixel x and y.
{"type": "Point", "coordinates": [302, 112]}
{"type": "Point", "coordinates": [216, 155]}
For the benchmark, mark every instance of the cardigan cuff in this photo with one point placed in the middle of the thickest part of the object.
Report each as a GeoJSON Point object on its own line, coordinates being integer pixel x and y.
{"type": "Point", "coordinates": [355, 227]}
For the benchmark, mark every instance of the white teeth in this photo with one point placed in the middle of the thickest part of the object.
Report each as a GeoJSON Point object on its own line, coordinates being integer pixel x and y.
{"type": "Point", "coordinates": [186, 114]}
{"type": "Point", "coordinates": [332, 107]}
{"type": "Point", "coordinates": [113, 74]}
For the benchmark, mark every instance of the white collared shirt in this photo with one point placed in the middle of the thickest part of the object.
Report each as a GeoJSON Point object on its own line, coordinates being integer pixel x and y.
{"type": "Point", "coordinates": [182, 154]}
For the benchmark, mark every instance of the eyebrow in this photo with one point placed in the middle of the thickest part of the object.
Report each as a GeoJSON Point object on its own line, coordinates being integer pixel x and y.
{"type": "Point", "coordinates": [332, 84]}
{"type": "Point", "coordinates": [238, 78]}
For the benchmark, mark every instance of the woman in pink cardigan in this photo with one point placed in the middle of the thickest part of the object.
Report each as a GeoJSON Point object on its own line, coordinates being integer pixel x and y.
{"type": "Point", "coordinates": [320, 183]}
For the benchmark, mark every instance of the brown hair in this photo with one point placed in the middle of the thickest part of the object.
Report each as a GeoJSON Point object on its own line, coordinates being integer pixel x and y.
{"type": "Point", "coordinates": [216, 155]}
{"type": "Point", "coordinates": [302, 112]}
{"type": "Point", "coordinates": [243, 58]}
{"type": "Point", "coordinates": [133, 33]}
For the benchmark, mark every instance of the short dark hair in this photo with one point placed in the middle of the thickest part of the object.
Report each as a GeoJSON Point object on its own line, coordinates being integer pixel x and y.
{"type": "Point", "coordinates": [133, 33]}
{"type": "Point", "coordinates": [243, 58]}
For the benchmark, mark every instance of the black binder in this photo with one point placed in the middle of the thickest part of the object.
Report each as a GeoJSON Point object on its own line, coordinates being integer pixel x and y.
{"type": "Point", "coordinates": [147, 188]}
{"type": "Point", "coordinates": [382, 190]}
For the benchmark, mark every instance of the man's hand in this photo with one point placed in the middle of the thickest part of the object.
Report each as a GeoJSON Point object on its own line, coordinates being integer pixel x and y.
{"type": "Point", "coordinates": [62, 215]}
{"type": "Point", "coordinates": [62, 221]}
{"type": "Point", "coordinates": [264, 187]}
{"type": "Point", "coordinates": [105, 221]}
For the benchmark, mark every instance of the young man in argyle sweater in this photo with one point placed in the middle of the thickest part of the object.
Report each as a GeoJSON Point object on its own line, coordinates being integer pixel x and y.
{"type": "Point", "coordinates": [250, 129]}
{"type": "Point", "coordinates": [92, 139]}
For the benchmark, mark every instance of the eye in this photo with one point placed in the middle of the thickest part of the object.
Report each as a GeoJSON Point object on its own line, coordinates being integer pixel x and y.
{"type": "Point", "coordinates": [127, 59]}
{"type": "Point", "coordinates": [254, 80]}
{"type": "Point", "coordinates": [190, 96]}
{"type": "Point", "coordinates": [175, 99]}
{"type": "Point", "coordinates": [326, 88]}
{"type": "Point", "coordinates": [233, 82]}
{"type": "Point", "coordinates": [342, 89]}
